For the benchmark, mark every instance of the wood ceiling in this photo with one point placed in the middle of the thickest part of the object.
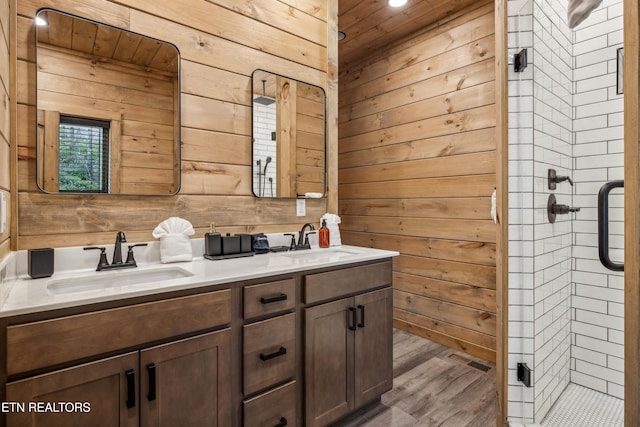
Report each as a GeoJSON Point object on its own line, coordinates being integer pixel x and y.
{"type": "Point", "coordinates": [106, 42]}
{"type": "Point", "coordinates": [372, 24]}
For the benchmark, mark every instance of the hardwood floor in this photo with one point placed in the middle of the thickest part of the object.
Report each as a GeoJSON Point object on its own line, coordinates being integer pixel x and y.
{"type": "Point", "coordinates": [433, 385]}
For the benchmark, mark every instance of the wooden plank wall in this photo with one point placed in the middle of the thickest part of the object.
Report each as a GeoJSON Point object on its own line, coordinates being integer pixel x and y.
{"type": "Point", "coordinates": [73, 83]}
{"type": "Point", "coordinates": [221, 42]}
{"type": "Point", "coordinates": [5, 138]}
{"type": "Point", "coordinates": [417, 166]}
{"type": "Point", "coordinates": [310, 156]}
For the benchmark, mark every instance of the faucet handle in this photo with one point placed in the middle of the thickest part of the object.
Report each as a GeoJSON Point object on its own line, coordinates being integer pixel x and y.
{"type": "Point", "coordinates": [103, 256]}
{"type": "Point", "coordinates": [292, 245]}
{"type": "Point", "coordinates": [130, 258]}
{"type": "Point", "coordinates": [306, 238]}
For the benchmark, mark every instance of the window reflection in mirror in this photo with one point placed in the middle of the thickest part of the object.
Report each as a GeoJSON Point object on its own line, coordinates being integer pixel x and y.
{"type": "Point", "coordinates": [107, 109]}
{"type": "Point", "coordinates": [288, 137]}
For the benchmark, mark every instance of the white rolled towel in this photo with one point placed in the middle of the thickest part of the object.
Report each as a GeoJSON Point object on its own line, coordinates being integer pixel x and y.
{"type": "Point", "coordinates": [175, 245]}
{"type": "Point", "coordinates": [579, 10]}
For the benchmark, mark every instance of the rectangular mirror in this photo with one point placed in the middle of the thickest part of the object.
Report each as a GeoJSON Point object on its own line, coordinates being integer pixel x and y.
{"type": "Point", "coordinates": [108, 109]}
{"type": "Point", "coordinates": [288, 137]}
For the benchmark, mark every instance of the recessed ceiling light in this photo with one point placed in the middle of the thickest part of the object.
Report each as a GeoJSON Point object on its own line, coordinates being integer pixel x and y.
{"type": "Point", "coordinates": [40, 22]}
{"type": "Point", "coordinates": [342, 35]}
{"type": "Point", "coordinates": [397, 3]}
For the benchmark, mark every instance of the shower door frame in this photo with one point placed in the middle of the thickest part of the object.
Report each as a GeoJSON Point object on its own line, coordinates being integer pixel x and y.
{"type": "Point", "coordinates": [631, 212]}
{"type": "Point", "coordinates": [631, 215]}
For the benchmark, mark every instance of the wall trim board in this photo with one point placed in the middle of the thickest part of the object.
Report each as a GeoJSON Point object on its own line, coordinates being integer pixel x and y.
{"type": "Point", "coordinates": [502, 211]}
{"type": "Point", "coordinates": [13, 152]}
{"type": "Point", "coordinates": [632, 213]}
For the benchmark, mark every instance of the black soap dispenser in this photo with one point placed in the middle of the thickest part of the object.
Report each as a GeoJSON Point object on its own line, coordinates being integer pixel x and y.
{"type": "Point", "coordinates": [212, 241]}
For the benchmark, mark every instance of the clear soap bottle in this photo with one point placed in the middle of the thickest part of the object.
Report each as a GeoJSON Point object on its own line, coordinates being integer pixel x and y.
{"type": "Point", "coordinates": [323, 235]}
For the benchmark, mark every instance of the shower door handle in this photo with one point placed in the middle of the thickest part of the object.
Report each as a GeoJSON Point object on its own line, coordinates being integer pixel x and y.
{"type": "Point", "coordinates": [603, 225]}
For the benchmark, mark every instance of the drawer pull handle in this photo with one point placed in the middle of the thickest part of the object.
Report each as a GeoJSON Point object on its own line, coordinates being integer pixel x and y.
{"type": "Point", "coordinates": [281, 297]}
{"type": "Point", "coordinates": [354, 322]}
{"type": "Point", "coordinates": [361, 324]}
{"type": "Point", "coordinates": [282, 423]}
{"type": "Point", "coordinates": [151, 370]}
{"type": "Point", "coordinates": [278, 353]}
{"type": "Point", "coordinates": [131, 388]}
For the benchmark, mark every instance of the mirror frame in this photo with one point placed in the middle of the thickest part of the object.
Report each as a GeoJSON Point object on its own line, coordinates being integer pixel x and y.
{"type": "Point", "coordinates": [177, 112]}
{"type": "Point", "coordinates": [324, 136]}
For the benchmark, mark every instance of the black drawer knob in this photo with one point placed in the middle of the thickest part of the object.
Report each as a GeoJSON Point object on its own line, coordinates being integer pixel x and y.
{"type": "Point", "coordinates": [282, 423]}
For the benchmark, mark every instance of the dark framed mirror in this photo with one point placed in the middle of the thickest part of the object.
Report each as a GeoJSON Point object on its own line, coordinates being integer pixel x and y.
{"type": "Point", "coordinates": [289, 137]}
{"type": "Point", "coordinates": [108, 109]}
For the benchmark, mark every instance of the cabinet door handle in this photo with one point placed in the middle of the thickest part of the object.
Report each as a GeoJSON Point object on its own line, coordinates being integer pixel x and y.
{"type": "Point", "coordinates": [278, 353]}
{"type": "Point", "coordinates": [354, 321]}
{"type": "Point", "coordinates": [281, 297]}
{"type": "Point", "coordinates": [361, 324]}
{"type": "Point", "coordinates": [151, 370]}
{"type": "Point", "coordinates": [282, 423]}
{"type": "Point", "coordinates": [131, 388]}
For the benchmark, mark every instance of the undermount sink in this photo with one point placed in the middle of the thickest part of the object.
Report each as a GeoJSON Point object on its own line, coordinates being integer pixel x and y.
{"type": "Point", "coordinates": [114, 279]}
{"type": "Point", "coordinates": [320, 254]}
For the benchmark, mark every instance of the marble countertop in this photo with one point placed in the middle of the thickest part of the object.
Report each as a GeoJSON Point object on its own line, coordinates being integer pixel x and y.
{"type": "Point", "coordinates": [24, 295]}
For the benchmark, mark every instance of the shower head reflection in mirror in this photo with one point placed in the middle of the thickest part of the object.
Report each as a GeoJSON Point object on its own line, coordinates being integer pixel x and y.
{"type": "Point", "coordinates": [288, 124]}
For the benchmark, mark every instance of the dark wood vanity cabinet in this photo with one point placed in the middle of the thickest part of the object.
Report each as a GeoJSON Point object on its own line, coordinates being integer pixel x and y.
{"type": "Point", "coordinates": [348, 343]}
{"type": "Point", "coordinates": [305, 348]}
{"type": "Point", "coordinates": [182, 382]}
{"type": "Point", "coordinates": [100, 387]}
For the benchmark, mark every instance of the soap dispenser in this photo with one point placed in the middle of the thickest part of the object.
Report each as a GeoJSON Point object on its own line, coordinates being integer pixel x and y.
{"type": "Point", "coordinates": [212, 241]}
{"type": "Point", "coordinates": [323, 235]}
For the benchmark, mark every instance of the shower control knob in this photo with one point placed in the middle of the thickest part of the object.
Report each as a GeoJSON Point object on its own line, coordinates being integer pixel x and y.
{"type": "Point", "coordinates": [563, 209]}
{"type": "Point", "coordinates": [554, 209]}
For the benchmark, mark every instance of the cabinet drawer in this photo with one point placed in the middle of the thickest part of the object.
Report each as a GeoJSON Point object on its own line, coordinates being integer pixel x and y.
{"type": "Point", "coordinates": [333, 284]}
{"type": "Point", "coordinates": [50, 342]}
{"type": "Point", "coordinates": [269, 409]}
{"type": "Point", "coordinates": [269, 352]}
{"type": "Point", "coordinates": [268, 298]}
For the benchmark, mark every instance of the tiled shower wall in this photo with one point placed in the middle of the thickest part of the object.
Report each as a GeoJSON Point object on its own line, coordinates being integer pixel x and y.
{"type": "Point", "coordinates": [558, 120]}
{"type": "Point", "coordinates": [553, 138]}
{"type": "Point", "coordinates": [521, 253]}
{"type": "Point", "coordinates": [264, 117]}
{"type": "Point", "coordinates": [598, 295]}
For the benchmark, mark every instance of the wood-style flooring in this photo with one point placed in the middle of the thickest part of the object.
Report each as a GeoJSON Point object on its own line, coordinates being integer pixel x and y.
{"type": "Point", "coordinates": [433, 385]}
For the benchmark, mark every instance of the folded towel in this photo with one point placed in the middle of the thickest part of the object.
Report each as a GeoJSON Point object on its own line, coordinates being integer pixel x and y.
{"type": "Point", "coordinates": [175, 245]}
{"type": "Point", "coordinates": [579, 10]}
{"type": "Point", "coordinates": [313, 195]}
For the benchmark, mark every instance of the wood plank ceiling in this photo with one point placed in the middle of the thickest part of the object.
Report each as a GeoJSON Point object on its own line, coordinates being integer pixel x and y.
{"type": "Point", "coordinates": [103, 41]}
{"type": "Point", "coordinates": [372, 24]}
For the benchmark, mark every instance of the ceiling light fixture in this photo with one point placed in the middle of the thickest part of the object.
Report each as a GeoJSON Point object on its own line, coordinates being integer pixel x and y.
{"type": "Point", "coordinates": [397, 3]}
{"type": "Point", "coordinates": [342, 35]}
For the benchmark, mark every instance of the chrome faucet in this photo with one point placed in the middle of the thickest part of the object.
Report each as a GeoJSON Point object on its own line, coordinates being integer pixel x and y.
{"type": "Point", "coordinates": [303, 239]}
{"type": "Point", "coordinates": [117, 250]}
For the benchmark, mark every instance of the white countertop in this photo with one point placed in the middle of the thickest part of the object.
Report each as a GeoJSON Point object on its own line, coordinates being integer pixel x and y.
{"type": "Point", "coordinates": [25, 295]}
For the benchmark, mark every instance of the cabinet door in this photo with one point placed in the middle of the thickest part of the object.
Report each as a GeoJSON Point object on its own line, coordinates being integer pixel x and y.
{"type": "Point", "coordinates": [373, 346]}
{"type": "Point", "coordinates": [187, 382]}
{"type": "Point", "coordinates": [103, 385]}
{"type": "Point", "coordinates": [328, 362]}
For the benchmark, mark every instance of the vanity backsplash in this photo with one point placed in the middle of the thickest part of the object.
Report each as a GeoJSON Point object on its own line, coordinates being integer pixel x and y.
{"type": "Point", "coordinates": [77, 259]}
